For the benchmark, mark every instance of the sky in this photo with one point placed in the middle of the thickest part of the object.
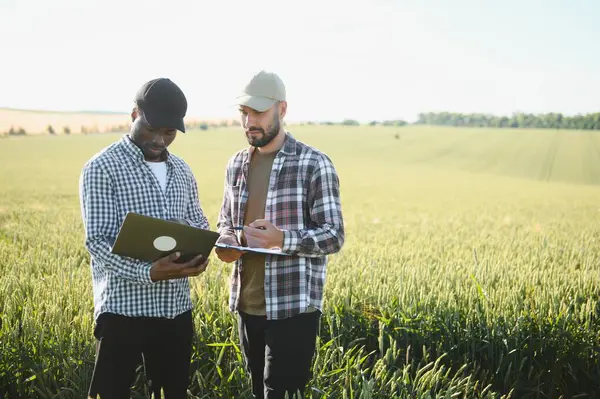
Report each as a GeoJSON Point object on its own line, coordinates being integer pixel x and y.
{"type": "Point", "coordinates": [364, 60]}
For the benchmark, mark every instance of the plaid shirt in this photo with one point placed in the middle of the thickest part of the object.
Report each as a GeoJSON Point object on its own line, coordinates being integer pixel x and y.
{"type": "Point", "coordinates": [303, 200]}
{"type": "Point", "coordinates": [117, 181]}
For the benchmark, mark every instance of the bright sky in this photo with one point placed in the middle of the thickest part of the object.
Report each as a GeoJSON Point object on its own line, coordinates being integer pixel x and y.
{"type": "Point", "coordinates": [366, 60]}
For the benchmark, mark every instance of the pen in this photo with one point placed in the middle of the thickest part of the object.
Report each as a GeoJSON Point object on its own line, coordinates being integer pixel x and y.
{"type": "Point", "coordinates": [242, 228]}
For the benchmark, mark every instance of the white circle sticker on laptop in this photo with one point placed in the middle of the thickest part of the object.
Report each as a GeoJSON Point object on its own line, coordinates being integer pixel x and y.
{"type": "Point", "coordinates": [164, 243]}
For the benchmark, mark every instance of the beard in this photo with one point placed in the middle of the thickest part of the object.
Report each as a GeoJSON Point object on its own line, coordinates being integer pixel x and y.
{"type": "Point", "coordinates": [265, 137]}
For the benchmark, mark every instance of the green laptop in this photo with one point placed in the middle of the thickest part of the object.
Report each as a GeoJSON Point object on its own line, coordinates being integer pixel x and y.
{"type": "Point", "coordinates": [149, 239]}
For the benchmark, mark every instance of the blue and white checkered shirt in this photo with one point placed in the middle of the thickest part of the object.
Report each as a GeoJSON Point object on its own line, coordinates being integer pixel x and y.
{"type": "Point", "coordinates": [117, 181]}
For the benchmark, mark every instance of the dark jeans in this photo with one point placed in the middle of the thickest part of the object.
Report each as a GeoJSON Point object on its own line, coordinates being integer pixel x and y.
{"type": "Point", "coordinates": [162, 345]}
{"type": "Point", "coordinates": [278, 353]}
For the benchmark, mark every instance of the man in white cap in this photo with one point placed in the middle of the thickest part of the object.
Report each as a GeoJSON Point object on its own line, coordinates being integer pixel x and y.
{"type": "Point", "coordinates": [286, 195]}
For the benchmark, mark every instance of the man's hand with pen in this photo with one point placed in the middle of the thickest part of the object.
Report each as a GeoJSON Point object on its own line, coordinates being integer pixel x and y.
{"type": "Point", "coordinates": [263, 234]}
{"type": "Point", "coordinates": [259, 234]}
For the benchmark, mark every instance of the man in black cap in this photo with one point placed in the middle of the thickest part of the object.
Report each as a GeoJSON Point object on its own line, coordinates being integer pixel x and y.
{"type": "Point", "coordinates": [142, 310]}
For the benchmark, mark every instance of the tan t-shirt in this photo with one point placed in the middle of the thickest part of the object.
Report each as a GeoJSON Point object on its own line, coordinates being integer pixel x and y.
{"type": "Point", "coordinates": [252, 294]}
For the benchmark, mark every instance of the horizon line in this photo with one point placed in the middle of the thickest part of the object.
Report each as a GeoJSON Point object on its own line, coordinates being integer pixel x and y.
{"type": "Point", "coordinates": [110, 112]}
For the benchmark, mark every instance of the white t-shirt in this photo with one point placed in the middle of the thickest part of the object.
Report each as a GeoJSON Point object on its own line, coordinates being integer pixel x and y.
{"type": "Point", "coordinates": [160, 171]}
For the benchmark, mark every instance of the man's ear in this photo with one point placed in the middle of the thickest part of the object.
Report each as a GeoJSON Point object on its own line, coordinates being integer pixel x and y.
{"type": "Point", "coordinates": [134, 114]}
{"type": "Point", "coordinates": [282, 109]}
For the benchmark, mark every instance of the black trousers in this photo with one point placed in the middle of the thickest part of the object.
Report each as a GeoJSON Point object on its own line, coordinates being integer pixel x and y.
{"type": "Point", "coordinates": [162, 345]}
{"type": "Point", "coordinates": [278, 353]}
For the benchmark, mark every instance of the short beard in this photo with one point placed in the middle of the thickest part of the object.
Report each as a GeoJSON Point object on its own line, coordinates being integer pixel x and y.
{"type": "Point", "coordinates": [266, 137]}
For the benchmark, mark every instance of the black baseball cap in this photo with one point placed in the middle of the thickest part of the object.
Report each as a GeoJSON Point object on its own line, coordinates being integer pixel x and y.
{"type": "Point", "coordinates": [163, 104]}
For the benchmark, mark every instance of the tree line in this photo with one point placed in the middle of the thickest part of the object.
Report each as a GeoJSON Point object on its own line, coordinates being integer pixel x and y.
{"type": "Point", "coordinates": [517, 120]}
{"type": "Point", "coordinates": [66, 130]}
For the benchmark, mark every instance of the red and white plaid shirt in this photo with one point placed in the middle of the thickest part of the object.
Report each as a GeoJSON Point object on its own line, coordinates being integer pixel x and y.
{"type": "Point", "coordinates": [303, 200]}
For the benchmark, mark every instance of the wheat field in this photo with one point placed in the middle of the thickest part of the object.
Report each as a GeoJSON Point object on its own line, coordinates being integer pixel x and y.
{"type": "Point", "coordinates": [470, 269]}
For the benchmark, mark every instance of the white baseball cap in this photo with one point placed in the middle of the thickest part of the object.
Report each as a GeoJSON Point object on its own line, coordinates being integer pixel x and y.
{"type": "Point", "coordinates": [263, 90]}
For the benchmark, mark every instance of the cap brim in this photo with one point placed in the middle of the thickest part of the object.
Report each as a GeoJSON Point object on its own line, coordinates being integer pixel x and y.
{"type": "Point", "coordinates": [259, 104]}
{"type": "Point", "coordinates": [164, 122]}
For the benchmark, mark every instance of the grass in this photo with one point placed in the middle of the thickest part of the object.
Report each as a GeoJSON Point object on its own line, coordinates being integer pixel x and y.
{"type": "Point", "coordinates": [470, 267]}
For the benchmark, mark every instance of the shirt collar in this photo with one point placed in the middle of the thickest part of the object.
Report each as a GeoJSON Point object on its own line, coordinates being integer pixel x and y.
{"type": "Point", "coordinates": [289, 145]}
{"type": "Point", "coordinates": [288, 148]}
{"type": "Point", "coordinates": [136, 153]}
